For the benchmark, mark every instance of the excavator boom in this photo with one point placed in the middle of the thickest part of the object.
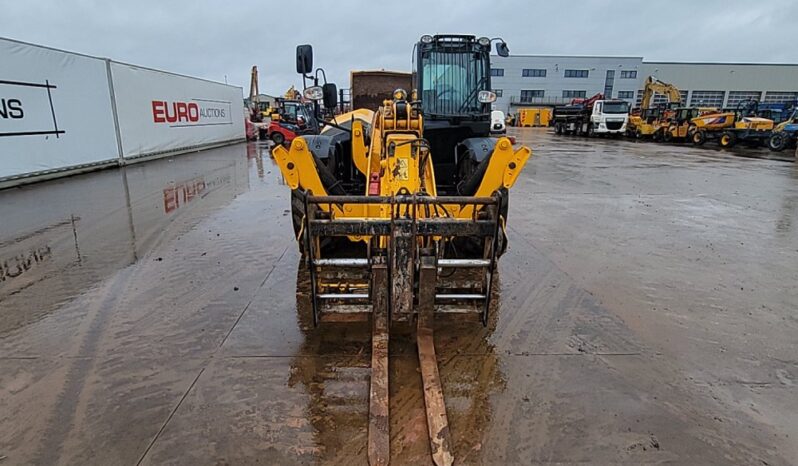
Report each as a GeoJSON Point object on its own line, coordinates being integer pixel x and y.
{"type": "Point", "coordinates": [655, 86]}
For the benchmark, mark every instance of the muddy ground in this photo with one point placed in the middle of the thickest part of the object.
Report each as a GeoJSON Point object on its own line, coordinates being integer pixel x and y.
{"type": "Point", "coordinates": [646, 314]}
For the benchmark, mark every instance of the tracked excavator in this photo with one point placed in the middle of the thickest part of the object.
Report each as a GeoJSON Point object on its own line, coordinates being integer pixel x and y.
{"type": "Point", "coordinates": [651, 121]}
{"type": "Point", "coordinates": [401, 218]}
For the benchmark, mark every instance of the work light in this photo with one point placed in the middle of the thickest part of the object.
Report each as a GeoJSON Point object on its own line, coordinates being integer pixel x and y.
{"type": "Point", "coordinates": [486, 97]}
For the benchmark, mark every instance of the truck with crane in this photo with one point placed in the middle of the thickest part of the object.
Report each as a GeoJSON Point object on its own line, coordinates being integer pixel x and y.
{"type": "Point", "coordinates": [593, 116]}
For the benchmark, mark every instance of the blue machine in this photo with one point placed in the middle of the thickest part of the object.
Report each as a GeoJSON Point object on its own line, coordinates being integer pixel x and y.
{"type": "Point", "coordinates": [785, 133]}
{"type": "Point", "coordinates": [777, 111]}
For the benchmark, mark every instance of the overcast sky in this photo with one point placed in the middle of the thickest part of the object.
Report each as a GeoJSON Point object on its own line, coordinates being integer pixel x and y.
{"type": "Point", "coordinates": [215, 39]}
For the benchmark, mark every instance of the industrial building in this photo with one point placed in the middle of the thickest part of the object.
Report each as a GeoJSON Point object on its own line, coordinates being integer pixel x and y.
{"type": "Point", "coordinates": [535, 80]}
{"type": "Point", "coordinates": [263, 98]}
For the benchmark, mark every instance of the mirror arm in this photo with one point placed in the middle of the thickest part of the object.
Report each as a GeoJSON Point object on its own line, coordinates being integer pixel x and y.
{"type": "Point", "coordinates": [323, 74]}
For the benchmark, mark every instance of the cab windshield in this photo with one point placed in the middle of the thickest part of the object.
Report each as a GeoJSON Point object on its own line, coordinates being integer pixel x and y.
{"type": "Point", "coordinates": [616, 107]}
{"type": "Point", "coordinates": [451, 81]}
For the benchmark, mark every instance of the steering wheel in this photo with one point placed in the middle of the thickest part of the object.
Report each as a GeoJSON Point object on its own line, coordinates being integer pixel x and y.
{"type": "Point", "coordinates": [446, 90]}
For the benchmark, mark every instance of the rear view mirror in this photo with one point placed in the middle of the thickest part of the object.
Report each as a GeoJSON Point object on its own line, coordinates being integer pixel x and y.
{"type": "Point", "coordinates": [502, 50]}
{"type": "Point", "coordinates": [330, 95]}
{"type": "Point", "coordinates": [304, 59]}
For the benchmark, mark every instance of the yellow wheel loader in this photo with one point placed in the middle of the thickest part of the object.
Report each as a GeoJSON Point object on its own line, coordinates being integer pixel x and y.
{"type": "Point", "coordinates": [729, 128]}
{"type": "Point", "coordinates": [679, 125]}
{"type": "Point", "coordinates": [401, 218]}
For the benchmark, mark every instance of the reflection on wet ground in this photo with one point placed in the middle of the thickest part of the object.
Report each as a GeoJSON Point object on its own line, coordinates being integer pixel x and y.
{"type": "Point", "coordinates": [159, 315]}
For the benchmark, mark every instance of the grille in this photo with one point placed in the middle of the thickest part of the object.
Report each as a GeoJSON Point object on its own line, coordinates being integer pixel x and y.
{"type": "Point", "coordinates": [614, 125]}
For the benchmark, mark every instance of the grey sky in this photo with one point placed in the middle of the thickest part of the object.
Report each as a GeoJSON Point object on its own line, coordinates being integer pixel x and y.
{"type": "Point", "coordinates": [212, 39]}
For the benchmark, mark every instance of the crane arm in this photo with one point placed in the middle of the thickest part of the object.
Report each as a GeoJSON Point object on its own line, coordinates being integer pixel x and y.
{"type": "Point", "coordinates": [655, 86]}
{"type": "Point", "coordinates": [253, 85]}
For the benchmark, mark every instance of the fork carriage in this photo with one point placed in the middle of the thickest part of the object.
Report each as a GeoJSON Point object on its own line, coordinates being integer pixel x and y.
{"type": "Point", "coordinates": [416, 244]}
{"type": "Point", "coordinates": [401, 275]}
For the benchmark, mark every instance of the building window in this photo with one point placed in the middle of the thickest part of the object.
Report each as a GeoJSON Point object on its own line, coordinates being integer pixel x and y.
{"type": "Point", "coordinates": [576, 73]}
{"type": "Point", "coordinates": [573, 94]}
{"type": "Point", "coordinates": [497, 71]}
{"type": "Point", "coordinates": [707, 99]}
{"type": "Point", "coordinates": [533, 73]}
{"type": "Point", "coordinates": [528, 95]}
{"type": "Point", "coordinates": [629, 74]}
{"type": "Point", "coordinates": [626, 94]}
{"type": "Point", "coordinates": [498, 92]}
{"type": "Point", "coordinates": [780, 96]}
{"type": "Point", "coordinates": [609, 82]}
{"type": "Point", "coordinates": [735, 97]}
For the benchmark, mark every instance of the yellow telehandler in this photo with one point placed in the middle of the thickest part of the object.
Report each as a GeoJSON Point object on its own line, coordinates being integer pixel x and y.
{"type": "Point", "coordinates": [401, 219]}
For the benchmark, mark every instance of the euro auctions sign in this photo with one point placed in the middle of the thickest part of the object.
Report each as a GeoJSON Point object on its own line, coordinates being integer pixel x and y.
{"type": "Point", "coordinates": [196, 112]}
{"type": "Point", "coordinates": [161, 112]}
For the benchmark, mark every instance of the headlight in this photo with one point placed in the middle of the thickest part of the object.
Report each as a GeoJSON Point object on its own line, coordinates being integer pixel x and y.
{"type": "Point", "coordinates": [486, 97]}
{"type": "Point", "coordinates": [313, 93]}
{"type": "Point", "coordinates": [426, 38]}
{"type": "Point", "coordinates": [483, 41]}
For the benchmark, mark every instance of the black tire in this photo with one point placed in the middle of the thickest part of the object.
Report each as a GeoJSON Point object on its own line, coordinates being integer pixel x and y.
{"type": "Point", "coordinates": [638, 134]}
{"type": "Point", "coordinates": [298, 216]}
{"type": "Point", "coordinates": [777, 142]}
{"type": "Point", "coordinates": [503, 210]}
{"type": "Point", "coordinates": [304, 307]}
{"type": "Point", "coordinates": [667, 136]}
{"type": "Point", "coordinates": [278, 138]}
{"type": "Point", "coordinates": [698, 138]}
{"type": "Point", "coordinates": [657, 136]}
{"type": "Point", "coordinates": [589, 131]}
{"type": "Point", "coordinates": [558, 129]}
{"type": "Point", "coordinates": [727, 140]}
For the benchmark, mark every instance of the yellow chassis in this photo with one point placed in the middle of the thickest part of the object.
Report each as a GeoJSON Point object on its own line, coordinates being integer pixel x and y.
{"type": "Point", "coordinates": [299, 170]}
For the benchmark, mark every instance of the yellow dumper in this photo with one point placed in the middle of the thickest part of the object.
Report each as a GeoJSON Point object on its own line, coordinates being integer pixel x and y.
{"type": "Point", "coordinates": [534, 117]}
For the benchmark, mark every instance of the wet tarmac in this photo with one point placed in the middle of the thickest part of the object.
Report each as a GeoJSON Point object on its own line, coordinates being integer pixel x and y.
{"type": "Point", "coordinates": [646, 313]}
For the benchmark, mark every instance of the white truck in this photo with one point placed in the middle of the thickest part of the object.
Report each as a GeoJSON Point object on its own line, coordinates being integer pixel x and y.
{"type": "Point", "coordinates": [588, 117]}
